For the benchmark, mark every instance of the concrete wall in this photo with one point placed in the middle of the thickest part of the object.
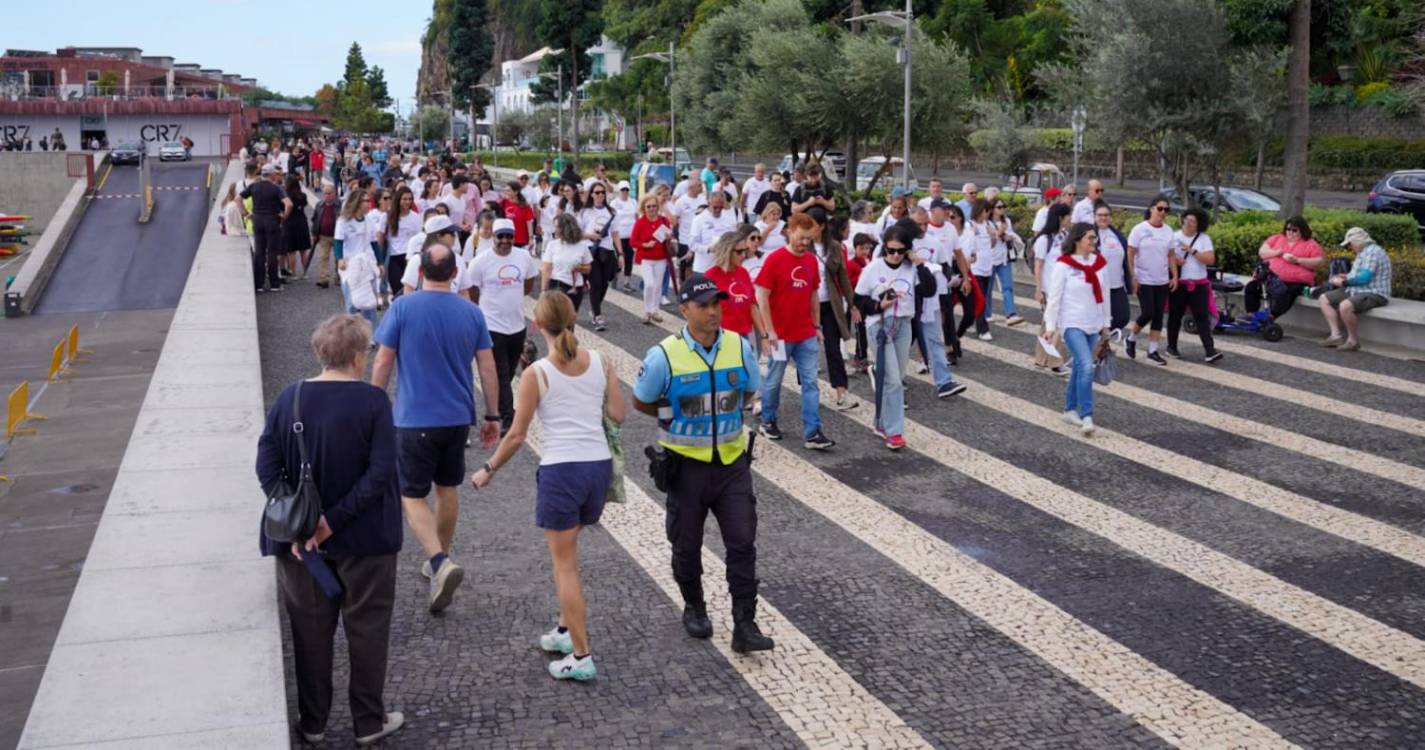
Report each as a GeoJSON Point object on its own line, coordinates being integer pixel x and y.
{"type": "Point", "coordinates": [211, 133]}
{"type": "Point", "coordinates": [33, 183]}
{"type": "Point", "coordinates": [1366, 122]}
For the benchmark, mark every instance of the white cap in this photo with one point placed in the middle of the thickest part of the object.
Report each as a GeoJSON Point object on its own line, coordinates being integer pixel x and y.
{"type": "Point", "coordinates": [268, 169]}
{"type": "Point", "coordinates": [504, 226]}
{"type": "Point", "coordinates": [1358, 236]}
{"type": "Point", "coordinates": [522, 173]}
{"type": "Point", "coordinates": [623, 185]}
{"type": "Point", "coordinates": [439, 223]}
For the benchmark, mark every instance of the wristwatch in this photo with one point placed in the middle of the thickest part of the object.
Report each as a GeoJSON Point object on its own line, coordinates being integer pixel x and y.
{"type": "Point", "coordinates": [491, 418]}
{"type": "Point", "coordinates": [488, 469]}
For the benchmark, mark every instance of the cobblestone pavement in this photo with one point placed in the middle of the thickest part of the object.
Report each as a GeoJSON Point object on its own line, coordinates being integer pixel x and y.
{"type": "Point", "coordinates": [1233, 561]}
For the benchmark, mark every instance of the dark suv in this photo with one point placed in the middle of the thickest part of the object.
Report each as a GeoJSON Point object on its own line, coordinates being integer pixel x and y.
{"type": "Point", "coordinates": [1400, 192]}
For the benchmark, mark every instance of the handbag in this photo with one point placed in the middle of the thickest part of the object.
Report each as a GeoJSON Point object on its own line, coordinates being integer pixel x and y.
{"type": "Point", "coordinates": [291, 515]}
{"type": "Point", "coordinates": [1105, 368]}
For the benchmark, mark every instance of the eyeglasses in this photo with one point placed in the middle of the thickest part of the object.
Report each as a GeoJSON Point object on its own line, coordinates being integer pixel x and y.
{"type": "Point", "coordinates": [1104, 215]}
{"type": "Point", "coordinates": [1292, 229]}
{"type": "Point", "coordinates": [504, 238]}
{"type": "Point", "coordinates": [742, 250]}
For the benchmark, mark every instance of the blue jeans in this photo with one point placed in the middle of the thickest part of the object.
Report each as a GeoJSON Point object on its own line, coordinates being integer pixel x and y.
{"type": "Point", "coordinates": [934, 338]}
{"type": "Point", "coordinates": [890, 358]}
{"type": "Point", "coordinates": [1005, 274]}
{"type": "Point", "coordinates": [804, 355]}
{"type": "Point", "coordinates": [1079, 395]}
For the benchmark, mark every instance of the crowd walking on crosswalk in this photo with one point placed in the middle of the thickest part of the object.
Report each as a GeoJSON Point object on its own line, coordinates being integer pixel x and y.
{"type": "Point", "coordinates": [466, 293]}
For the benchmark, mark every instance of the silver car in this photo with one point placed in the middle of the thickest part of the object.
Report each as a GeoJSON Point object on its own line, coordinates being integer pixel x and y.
{"type": "Point", "coordinates": [173, 151]}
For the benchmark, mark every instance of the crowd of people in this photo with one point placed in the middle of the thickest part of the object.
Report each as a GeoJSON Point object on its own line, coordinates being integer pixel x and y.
{"type": "Point", "coordinates": [435, 261]}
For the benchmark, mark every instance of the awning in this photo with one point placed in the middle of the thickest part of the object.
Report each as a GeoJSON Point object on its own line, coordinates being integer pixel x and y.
{"type": "Point", "coordinates": [304, 122]}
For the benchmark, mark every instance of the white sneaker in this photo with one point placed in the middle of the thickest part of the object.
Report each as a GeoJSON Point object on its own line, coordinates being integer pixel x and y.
{"type": "Point", "coordinates": [1088, 426]}
{"type": "Point", "coordinates": [570, 668]}
{"type": "Point", "coordinates": [394, 721]}
{"type": "Point", "coordinates": [557, 642]}
{"type": "Point", "coordinates": [986, 336]}
{"type": "Point", "coordinates": [1071, 418]}
{"type": "Point", "coordinates": [844, 403]}
{"type": "Point", "coordinates": [922, 368]}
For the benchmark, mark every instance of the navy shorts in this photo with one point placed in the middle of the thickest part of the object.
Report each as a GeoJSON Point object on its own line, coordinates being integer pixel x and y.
{"type": "Point", "coordinates": [571, 494]}
{"type": "Point", "coordinates": [426, 455]}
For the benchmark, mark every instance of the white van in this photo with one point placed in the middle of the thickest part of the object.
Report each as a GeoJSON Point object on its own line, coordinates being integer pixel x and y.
{"type": "Point", "coordinates": [867, 168]}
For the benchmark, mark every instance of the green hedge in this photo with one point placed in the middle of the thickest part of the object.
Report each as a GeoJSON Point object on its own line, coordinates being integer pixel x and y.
{"type": "Point", "coordinates": [533, 160]}
{"type": "Point", "coordinates": [1237, 236]}
{"type": "Point", "coordinates": [1352, 152]}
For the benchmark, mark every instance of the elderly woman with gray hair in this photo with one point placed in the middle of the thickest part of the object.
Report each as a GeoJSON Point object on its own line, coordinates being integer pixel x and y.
{"type": "Point", "coordinates": [350, 442]}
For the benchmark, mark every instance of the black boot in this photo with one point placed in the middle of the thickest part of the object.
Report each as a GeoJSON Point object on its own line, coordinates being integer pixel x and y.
{"type": "Point", "coordinates": [695, 611]}
{"type": "Point", "coordinates": [746, 636]}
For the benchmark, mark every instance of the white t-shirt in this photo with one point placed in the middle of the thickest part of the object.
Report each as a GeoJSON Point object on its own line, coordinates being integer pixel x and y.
{"type": "Point", "coordinates": [456, 204]}
{"type": "Point", "coordinates": [1040, 217]}
{"type": "Point", "coordinates": [934, 256]}
{"type": "Point", "coordinates": [375, 223]}
{"type": "Point", "coordinates": [625, 213]}
{"type": "Point", "coordinates": [945, 238]}
{"type": "Point", "coordinates": [753, 264]}
{"type": "Point", "coordinates": [1192, 268]}
{"type": "Point", "coordinates": [771, 237]}
{"type": "Point", "coordinates": [1047, 249]}
{"type": "Point", "coordinates": [355, 236]}
{"type": "Point", "coordinates": [1151, 258]}
{"type": "Point", "coordinates": [753, 189]}
{"type": "Point", "coordinates": [686, 207]}
{"type": "Point", "coordinates": [1113, 252]}
{"type": "Point", "coordinates": [987, 256]}
{"type": "Point", "coordinates": [475, 246]}
{"type": "Point", "coordinates": [500, 280]}
{"type": "Point", "coordinates": [872, 229]}
{"type": "Point", "coordinates": [926, 201]}
{"type": "Point", "coordinates": [706, 231]}
{"type": "Point", "coordinates": [531, 194]}
{"type": "Point", "coordinates": [412, 276]}
{"type": "Point", "coordinates": [877, 277]}
{"type": "Point", "coordinates": [1083, 211]}
{"type": "Point", "coordinates": [593, 220]}
{"type": "Point", "coordinates": [407, 226]}
{"type": "Point", "coordinates": [1070, 302]}
{"type": "Point", "coordinates": [563, 257]}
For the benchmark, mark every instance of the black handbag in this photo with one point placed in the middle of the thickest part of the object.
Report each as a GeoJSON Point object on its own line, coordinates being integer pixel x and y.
{"type": "Point", "coordinates": [291, 514]}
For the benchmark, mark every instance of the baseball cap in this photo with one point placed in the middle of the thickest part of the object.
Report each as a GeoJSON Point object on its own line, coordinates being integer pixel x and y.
{"type": "Point", "coordinates": [699, 288]}
{"type": "Point", "coordinates": [504, 226]}
{"type": "Point", "coordinates": [522, 173]}
{"type": "Point", "coordinates": [438, 223]}
{"type": "Point", "coordinates": [939, 203]}
{"type": "Point", "coordinates": [1357, 235]}
{"type": "Point", "coordinates": [268, 169]}
{"type": "Point", "coordinates": [899, 191]}
{"type": "Point", "coordinates": [623, 185]}
{"type": "Point", "coordinates": [1052, 193]}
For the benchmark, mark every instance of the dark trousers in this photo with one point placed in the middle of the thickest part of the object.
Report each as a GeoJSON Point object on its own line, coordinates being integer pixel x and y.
{"type": "Point", "coordinates": [266, 249]}
{"type": "Point", "coordinates": [1179, 301]}
{"type": "Point", "coordinates": [831, 332]}
{"type": "Point", "coordinates": [603, 273]}
{"type": "Point", "coordinates": [507, 350]}
{"type": "Point", "coordinates": [1152, 298]}
{"type": "Point", "coordinates": [1279, 304]}
{"type": "Point", "coordinates": [575, 295]}
{"type": "Point", "coordinates": [627, 262]}
{"type": "Point", "coordinates": [1118, 307]}
{"type": "Point", "coordinates": [726, 491]}
{"type": "Point", "coordinates": [395, 269]}
{"type": "Point", "coordinates": [369, 584]}
{"type": "Point", "coordinates": [947, 323]}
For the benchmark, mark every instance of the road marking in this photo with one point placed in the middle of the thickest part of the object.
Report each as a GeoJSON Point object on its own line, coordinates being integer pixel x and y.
{"type": "Point", "coordinates": [1152, 696]}
{"type": "Point", "coordinates": [1286, 393]}
{"type": "Point", "coordinates": [1380, 645]}
{"type": "Point", "coordinates": [811, 694]}
{"type": "Point", "coordinates": [103, 178]}
{"type": "Point", "coordinates": [1179, 409]}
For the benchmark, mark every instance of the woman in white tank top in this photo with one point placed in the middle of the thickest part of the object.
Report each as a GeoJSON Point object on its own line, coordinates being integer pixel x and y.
{"type": "Point", "coordinates": [570, 390]}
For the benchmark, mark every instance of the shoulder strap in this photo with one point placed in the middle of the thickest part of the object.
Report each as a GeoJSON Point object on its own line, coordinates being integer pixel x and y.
{"type": "Point", "coordinates": [298, 427]}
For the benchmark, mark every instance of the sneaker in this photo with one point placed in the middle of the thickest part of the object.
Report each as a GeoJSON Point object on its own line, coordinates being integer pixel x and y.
{"type": "Point", "coordinates": [1087, 426]}
{"type": "Point", "coordinates": [1130, 347]}
{"type": "Point", "coordinates": [323, 284]}
{"type": "Point", "coordinates": [1061, 371]}
{"type": "Point", "coordinates": [600, 324]}
{"type": "Point", "coordinates": [895, 442]}
{"type": "Point", "coordinates": [1213, 357]}
{"type": "Point", "coordinates": [1157, 359]}
{"type": "Point", "coordinates": [572, 668]}
{"type": "Point", "coordinates": [819, 441]}
{"type": "Point", "coordinates": [769, 430]}
{"type": "Point", "coordinates": [922, 368]}
{"type": "Point", "coordinates": [1332, 341]}
{"type": "Point", "coordinates": [444, 584]}
{"type": "Point", "coordinates": [394, 721]}
{"type": "Point", "coordinates": [986, 336]}
{"type": "Point", "coordinates": [880, 433]}
{"type": "Point", "coordinates": [1174, 353]}
{"type": "Point", "coordinates": [1014, 320]}
{"type": "Point", "coordinates": [844, 403]}
{"type": "Point", "coordinates": [949, 389]}
{"type": "Point", "coordinates": [557, 642]}
{"type": "Point", "coordinates": [1072, 419]}
{"type": "Point", "coordinates": [1346, 346]}
{"type": "Point", "coordinates": [313, 738]}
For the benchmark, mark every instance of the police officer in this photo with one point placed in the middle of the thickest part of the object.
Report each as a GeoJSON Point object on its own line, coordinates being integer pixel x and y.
{"type": "Point", "coordinates": [695, 383]}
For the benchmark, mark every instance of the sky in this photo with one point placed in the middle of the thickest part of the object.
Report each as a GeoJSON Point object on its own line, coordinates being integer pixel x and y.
{"type": "Point", "coordinates": [291, 48]}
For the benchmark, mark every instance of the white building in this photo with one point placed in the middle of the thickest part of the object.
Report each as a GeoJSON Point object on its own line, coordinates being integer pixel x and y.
{"type": "Point", "coordinates": [517, 78]}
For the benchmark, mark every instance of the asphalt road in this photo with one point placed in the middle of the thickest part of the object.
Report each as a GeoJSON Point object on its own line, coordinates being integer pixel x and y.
{"type": "Point", "coordinates": [1234, 560]}
{"type": "Point", "coordinates": [115, 263]}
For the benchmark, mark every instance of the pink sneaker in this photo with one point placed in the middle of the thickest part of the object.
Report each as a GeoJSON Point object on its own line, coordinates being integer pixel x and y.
{"type": "Point", "coordinates": [895, 442]}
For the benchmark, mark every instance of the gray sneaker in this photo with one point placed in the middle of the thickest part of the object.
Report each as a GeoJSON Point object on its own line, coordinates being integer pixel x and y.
{"type": "Point", "coordinates": [444, 584]}
{"type": "Point", "coordinates": [394, 721]}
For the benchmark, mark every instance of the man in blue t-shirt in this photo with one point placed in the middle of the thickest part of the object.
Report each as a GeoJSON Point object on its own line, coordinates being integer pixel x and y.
{"type": "Point", "coordinates": [431, 337]}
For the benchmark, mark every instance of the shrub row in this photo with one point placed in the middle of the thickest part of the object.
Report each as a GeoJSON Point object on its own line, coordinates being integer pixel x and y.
{"type": "Point", "coordinates": [1352, 152]}
{"type": "Point", "coordinates": [534, 160]}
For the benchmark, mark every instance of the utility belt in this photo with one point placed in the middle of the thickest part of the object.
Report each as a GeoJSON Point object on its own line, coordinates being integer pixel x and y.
{"type": "Point", "coordinates": [664, 465]}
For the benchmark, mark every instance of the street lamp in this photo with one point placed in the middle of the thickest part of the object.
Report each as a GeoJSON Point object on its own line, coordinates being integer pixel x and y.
{"type": "Point", "coordinates": [558, 77]}
{"type": "Point", "coordinates": [494, 119]}
{"type": "Point", "coordinates": [904, 21]}
{"type": "Point", "coordinates": [672, 115]}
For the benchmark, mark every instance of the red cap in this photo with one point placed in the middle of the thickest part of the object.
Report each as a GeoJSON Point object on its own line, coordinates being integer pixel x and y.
{"type": "Point", "coordinates": [1053, 193]}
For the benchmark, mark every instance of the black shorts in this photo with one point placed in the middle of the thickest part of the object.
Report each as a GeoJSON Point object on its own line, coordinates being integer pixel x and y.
{"type": "Point", "coordinates": [427, 455]}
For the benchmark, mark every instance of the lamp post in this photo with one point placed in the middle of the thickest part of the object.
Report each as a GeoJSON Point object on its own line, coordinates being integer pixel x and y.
{"type": "Point", "coordinates": [905, 22]}
{"type": "Point", "coordinates": [558, 77]}
{"type": "Point", "coordinates": [494, 119]}
{"type": "Point", "coordinates": [669, 58]}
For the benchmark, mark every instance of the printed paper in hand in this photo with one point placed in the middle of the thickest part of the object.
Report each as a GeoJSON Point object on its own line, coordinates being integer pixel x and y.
{"type": "Point", "coordinates": [1048, 348]}
{"type": "Point", "coordinates": [661, 233]}
{"type": "Point", "coordinates": [779, 352]}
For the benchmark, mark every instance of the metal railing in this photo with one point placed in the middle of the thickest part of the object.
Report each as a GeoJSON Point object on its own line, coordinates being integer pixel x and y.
{"type": "Point", "coordinates": [117, 93]}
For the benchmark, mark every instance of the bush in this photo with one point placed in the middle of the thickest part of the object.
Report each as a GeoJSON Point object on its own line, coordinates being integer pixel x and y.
{"type": "Point", "coordinates": [620, 161]}
{"type": "Point", "coordinates": [1407, 271]}
{"type": "Point", "coordinates": [1352, 152]}
{"type": "Point", "coordinates": [1238, 235]}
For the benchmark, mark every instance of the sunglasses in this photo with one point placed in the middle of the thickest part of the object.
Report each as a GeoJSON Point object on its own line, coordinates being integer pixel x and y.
{"type": "Point", "coordinates": [1292, 229]}
{"type": "Point", "coordinates": [597, 192]}
{"type": "Point", "coordinates": [999, 207]}
{"type": "Point", "coordinates": [1160, 209]}
{"type": "Point", "coordinates": [895, 250]}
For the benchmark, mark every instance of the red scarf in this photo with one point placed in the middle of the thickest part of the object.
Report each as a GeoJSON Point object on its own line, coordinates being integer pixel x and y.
{"type": "Point", "coordinates": [1090, 272]}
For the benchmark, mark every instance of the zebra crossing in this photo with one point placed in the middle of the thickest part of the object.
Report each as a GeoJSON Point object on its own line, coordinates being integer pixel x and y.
{"type": "Point", "coordinates": [1233, 560]}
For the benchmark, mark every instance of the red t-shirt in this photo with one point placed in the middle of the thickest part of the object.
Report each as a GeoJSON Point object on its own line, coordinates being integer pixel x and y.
{"type": "Point", "coordinates": [643, 230]}
{"type": "Point", "coordinates": [792, 281]}
{"type": "Point", "coordinates": [853, 266]}
{"type": "Point", "coordinates": [521, 216]}
{"type": "Point", "coordinates": [737, 308]}
{"type": "Point", "coordinates": [1290, 272]}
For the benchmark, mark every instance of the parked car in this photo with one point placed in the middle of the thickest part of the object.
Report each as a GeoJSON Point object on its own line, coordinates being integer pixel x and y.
{"type": "Point", "coordinates": [1031, 182]}
{"type": "Point", "coordinates": [1233, 198]}
{"type": "Point", "coordinates": [685, 159]}
{"type": "Point", "coordinates": [132, 152]}
{"type": "Point", "coordinates": [867, 168]}
{"type": "Point", "coordinates": [173, 151]}
{"type": "Point", "coordinates": [1400, 192]}
{"type": "Point", "coordinates": [833, 164]}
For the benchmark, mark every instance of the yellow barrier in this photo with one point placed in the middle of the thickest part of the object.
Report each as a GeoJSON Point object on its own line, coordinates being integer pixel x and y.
{"type": "Point", "coordinates": [17, 411]}
{"type": "Point", "coordinates": [75, 353]}
{"type": "Point", "coordinates": [56, 363]}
